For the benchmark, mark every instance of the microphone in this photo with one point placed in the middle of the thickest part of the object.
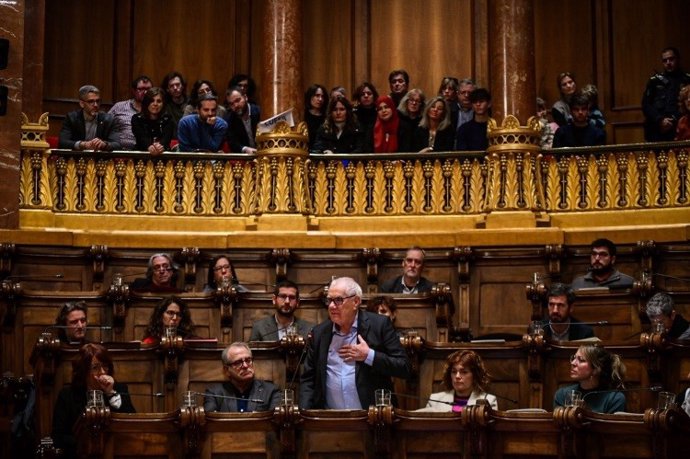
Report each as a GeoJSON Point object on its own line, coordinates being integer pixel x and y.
{"type": "Point", "coordinates": [124, 276]}
{"type": "Point", "coordinates": [654, 388]}
{"type": "Point", "coordinates": [155, 394]}
{"type": "Point", "coordinates": [35, 277]}
{"type": "Point", "coordinates": [682, 279]}
{"type": "Point", "coordinates": [500, 397]}
{"type": "Point", "coordinates": [228, 397]}
{"type": "Point", "coordinates": [87, 327]}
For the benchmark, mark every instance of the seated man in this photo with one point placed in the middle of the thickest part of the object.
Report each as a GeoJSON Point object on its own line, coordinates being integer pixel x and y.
{"type": "Point", "coordinates": [124, 110]}
{"type": "Point", "coordinates": [561, 325]}
{"type": "Point", "coordinates": [602, 272]}
{"type": "Point", "coordinates": [71, 322]}
{"type": "Point", "coordinates": [161, 275]}
{"type": "Point", "coordinates": [660, 309]}
{"type": "Point", "coordinates": [275, 327]}
{"type": "Point", "coordinates": [89, 128]}
{"type": "Point", "coordinates": [411, 280]}
{"type": "Point", "coordinates": [242, 119]}
{"type": "Point", "coordinates": [242, 392]}
{"type": "Point", "coordinates": [579, 132]}
{"type": "Point", "coordinates": [202, 131]}
{"type": "Point", "coordinates": [472, 134]}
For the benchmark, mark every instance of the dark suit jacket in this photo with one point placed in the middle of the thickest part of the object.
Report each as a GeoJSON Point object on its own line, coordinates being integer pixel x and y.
{"type": "Point", "coordinates": [577, 330]}
{"type": "Point", "coordinates": [390, 360]}
{"type": "Point", "coordinates": [395, 285]}
{"type": "Point", "coordinates": [266, 329]}
{"type": "Point", "coordinates": [237, 135]}
{"type": "Point", "coordinates": [74, 130]}
{"type": "Point", "coordinates": [348, 142]}
{"type": "Point", "coordinates": [265, 391]}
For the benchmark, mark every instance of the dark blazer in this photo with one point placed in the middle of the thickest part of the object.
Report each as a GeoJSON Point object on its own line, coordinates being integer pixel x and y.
{"type": "Point", "coordinates": [348, 142]}
{"type": "Point", "coordinates": [265, 391]}
{"type": "Point", "coordinates": [69, 406]}
{"type": "Point", "coordinates": [266, 329]}
{"type": "Point", "coordinates": [145, 130]}
{"type": "Point", "coordinates": [444, 140]}
{"type": "Point", "coordinates": [577, 330]}
{"type": "Point", "coordinates": [395, 285]}
{"type": "Point", "coordinates": [390, 360]}
{"type": "Point", "coordinates": [573, 136]}
{"type": "Point", "coordinates": [237, 135]}
{"type": "Point", "coordinates": [74, 130]}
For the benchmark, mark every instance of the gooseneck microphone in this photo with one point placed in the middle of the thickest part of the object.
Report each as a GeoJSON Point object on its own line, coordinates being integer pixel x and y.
{"type": "Point", "coordinates": [654, 388]}
{"type": "Point", "coordinates": [228, 397]}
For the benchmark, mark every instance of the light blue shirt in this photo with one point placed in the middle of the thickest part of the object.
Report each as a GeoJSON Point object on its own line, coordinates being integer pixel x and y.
{"type": "Point", "coordinates": [341, 386]}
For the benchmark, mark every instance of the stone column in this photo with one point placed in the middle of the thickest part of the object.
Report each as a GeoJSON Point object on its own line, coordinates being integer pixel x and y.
{"type": "Point", "coordinates": [11, 81]}
{"type": "Point", "coordinates": [282, 66]}
{"type": "Point", "coordinates": [511, 51]}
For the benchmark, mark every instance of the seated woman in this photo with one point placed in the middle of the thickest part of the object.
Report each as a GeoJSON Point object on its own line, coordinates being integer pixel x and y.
{"type": "Point", "coordinates": [315, 103]}
{"type": "Point", "coordinates": [560, 112]}
{"type": "Point", "coordinates": [383, 305]}
{"type": "Point", "coordinates": [92, 370]}
{"type": "Point", "coordinates": [364, 100]}
{"type": "Point", "coordinates": [434, 133]}
{"type": "Point", "coordinates": [169, 312]}
{"type": "Point", "coordinates": [466, 379]}
{"type": "Point", "coordinates": [340, 133]}
{"type": "Point", "coordinates": [201, 88]}
{"type": "Point", "coordinates": [410, 112]}
{"type": "Point", "coordinates": [599, 374]}
{"type": "Point", "coordinates": [385, 136]}
{"type": "Point", "coordinates": [153, 128]}
{"type": "Point", "coordinates": [221, 270]}
{"type": "Point", "coordinates": [683, 128]}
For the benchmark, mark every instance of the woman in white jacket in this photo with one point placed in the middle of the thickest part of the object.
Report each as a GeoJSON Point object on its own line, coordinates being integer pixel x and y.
{"type": "Point", "coordinates": [466, 379]}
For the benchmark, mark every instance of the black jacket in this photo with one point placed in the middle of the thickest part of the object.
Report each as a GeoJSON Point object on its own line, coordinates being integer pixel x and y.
{"type": "Point", "coordinates": [74, 130]}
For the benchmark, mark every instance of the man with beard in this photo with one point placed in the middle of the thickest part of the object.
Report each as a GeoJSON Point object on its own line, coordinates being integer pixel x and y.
{"type": "Point", "coordinates": [124, 110]}
{"type": "Point", "coordinates": [286, 302]}
{"type": "Point", "coordinates": [242, 119]}
{"type": "Point", "coordinates": [71, 322]}
{"type": "Point", "coordinates": [242, 392]}
{"type": "Point", "coordinates": [89, 128]}
{"type": "Point", "coordinates": [602, 272]}
{"type": "Point", "coordinates": [562, 326]}
{"type": "Point", "coordinates": [176, 99]}
{"type": "Point", "coordinates": [202, 131]}
{"type": "Point", "coordinates": [411, 280]}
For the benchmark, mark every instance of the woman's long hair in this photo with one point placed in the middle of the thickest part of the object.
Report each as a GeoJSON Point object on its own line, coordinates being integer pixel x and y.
{"type": "Point", "coordinates": [155, 327]}
{"type": "Point", "coordinates": [81, 367]}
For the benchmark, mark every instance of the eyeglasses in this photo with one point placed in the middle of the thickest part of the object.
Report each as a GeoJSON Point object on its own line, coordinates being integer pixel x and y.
{"type": "Point", "coordinates": [239, 363]}
{"type": "Point", "coordinates": [165, 267]}
{"type": "Point", "coordinates": [173, 313]}
{"type": "Point", "coordinates": [338, 300]}
{"type": "Point", "coordinates": [600, 254]}
{"type": "Point", "coordinates": [92, 101]}
{"type": "Point", "coordinates": [289, 298]}
{"type": "Point", "coordinates": [221, 268]}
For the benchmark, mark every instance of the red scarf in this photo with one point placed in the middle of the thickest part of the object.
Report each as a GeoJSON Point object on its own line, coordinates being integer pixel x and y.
{"type": "Point", "coordinates": [386, 132]}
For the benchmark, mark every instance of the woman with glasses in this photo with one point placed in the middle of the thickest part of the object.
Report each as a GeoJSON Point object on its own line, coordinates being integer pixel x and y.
{"type": "Point", "coordinates": [410, 112]}
{"type": "Point", "coordinates": [598, 376]}
{"type": "Point", "coordinates": [201, 88]}
{"type": "Point", "coordinates": [221, 271]}
{"type": "Point", "coordinates": [92, 370]}
{"type": "Point", "coordinates": [466, 381]}
{"type": "Point", "coordinates": [153, 128]}
{"type": "Point", "coordinates": [169, 312]}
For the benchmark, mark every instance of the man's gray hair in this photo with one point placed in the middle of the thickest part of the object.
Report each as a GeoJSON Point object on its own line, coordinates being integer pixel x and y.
{"type": "Point", "coordinates": [224, 355]}
{"type": "Point", "coordinates": [659, 304]}
{"type": "Point", "coordinates": [86, 89]}
{"type": "Point", "coordinates": [351, 286]}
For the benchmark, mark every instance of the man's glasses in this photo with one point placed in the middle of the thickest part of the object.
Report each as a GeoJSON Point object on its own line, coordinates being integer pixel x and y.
{"type": "Point", "coordinates": [239, 363]}
{"type": "Point", "coordinates": [161, 268]}
{"type": "Point", "coordinates": [92, 101]}
{"type": "Point", "coordinates": [338, 300]}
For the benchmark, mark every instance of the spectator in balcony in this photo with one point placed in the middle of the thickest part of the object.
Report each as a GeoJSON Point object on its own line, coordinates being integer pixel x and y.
{"type": "Point", "coordinates": [277, 326]}
{"type": "Point", "coordinates": [352, 354]}
{"type": "Point", "coordinates": [161, 275]}
{"type": "Point", "coordinates": [204, 131]}
{"type": "Point", "coordinates": [547, 128]}
{"type": "Point", "coordinates": [176, 100]}
{"type": "Point", "coordinates": [242, 119]}
{"type": "Point", "coordinates": [364, 100]}
{"type": "Point", "coordinates": [602, 271]}
{"type": "Point", "coordinates": [170, 312]}
{"type": "Point", "coordinates": [466, 380]}
{"type": "Point", "coordinates": [596, 117]}
{"type": "Point", "coordinates": [411, 280]}
{"type": "Point", "coordinates": [660, 309]}
{"type": "Point", "coordinates": [316, 107]}
{"type": "Point", "coordinates": [340, 133]}
{"type": "Point", "coordinates": [242, 392]}
{"type": "Point", "coordinates": [449, 91]}
{"type": "Point", "coordinates": [338, 91]}
{"type": "Point", "coordinates": [561, 325]}
{"type": "Point", "coordinates": [399, 81]}
{"type": "Point", "coordinates": [247, 84]}
{"type": "Point", "coordinates": [199, 89]}
{"type": "Point", "coordinates": [124, 110]}
{"type": "Point", "coordinates": [579, 132]}
{"type": "Point", "coordinates": [560, 112]}
{"type": "Point", "coordinates": [410, 111]}
{"type": "Point", "coordinates": [683, 128]}
{"type": "Point", "coordinates": [153, 128]}
{"type": "Point", "coordinates": [465, 113]}
{"type": "Point", "coordinates": [383, 305]}
{"type": "Point", "coordinates": [71, 322]}
{"type": "Point", "coordinates": [434, 132]}
{"type": "Point", "coordinates": [599, 376]}
{"type": "Point", "coordinates": [660, 98]}
{"type": "Point", "coordinates": [88, 128]}
{"type": "Point", "coordinates": [472, 135]}
{"type": "Point", "coordinates": [92, 370]}
{"type": "Point", "coordinates": [385, 135]}
{"type": "Point", "coordinates": [221, 271]}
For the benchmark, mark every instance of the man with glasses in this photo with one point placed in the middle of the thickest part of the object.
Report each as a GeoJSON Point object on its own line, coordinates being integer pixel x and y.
{"type": "Point", "coordinates": [284, 321]}
{"type": "Point", "coordinates": [602, 272]}
{"type": "Point", "coordinates": [660, 99]}
{"type": "Point", "coordinates": [465, 113]}
{"type": "Point", "coordinates": [124, 110]}
{"type": "Point", "coordinates": [411, 280]}
{"type": "Point", "coordinates": [89, 128]}
{"type": "Point", "coordinates": [352, 353]}
{"type": "Point", "coordinates": [242, 392]}
{"type": "Point", "coordinates": [161, 275]}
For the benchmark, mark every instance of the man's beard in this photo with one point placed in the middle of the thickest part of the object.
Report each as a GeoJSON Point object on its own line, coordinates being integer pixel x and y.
{"type": "Point", "coordinates": [601, 270]}
{"type": "Point", "coordinates": [283, 313]}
